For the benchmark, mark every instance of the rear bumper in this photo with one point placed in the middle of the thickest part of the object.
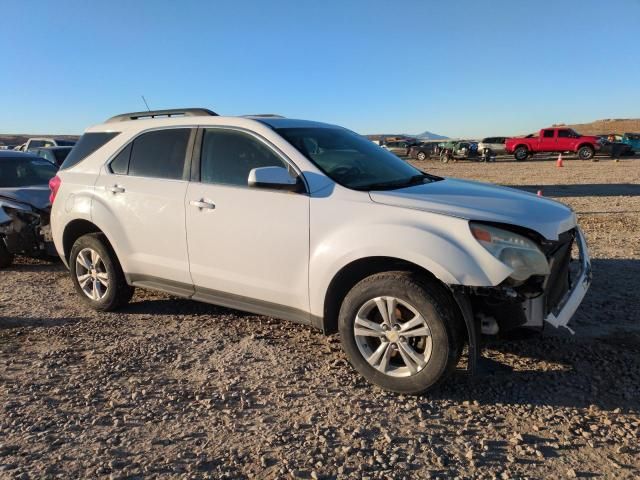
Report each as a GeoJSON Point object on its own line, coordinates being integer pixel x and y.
{"type": "Point", "coordinates": [566, 308]}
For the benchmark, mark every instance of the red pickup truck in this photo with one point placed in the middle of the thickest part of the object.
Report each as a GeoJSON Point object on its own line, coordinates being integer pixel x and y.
{"type": "Point", "coordinates": [553, 140]}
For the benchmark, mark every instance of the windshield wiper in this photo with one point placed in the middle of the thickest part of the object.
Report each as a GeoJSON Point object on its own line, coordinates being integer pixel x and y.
{"type": "Point", "coordinates": [405, 182]}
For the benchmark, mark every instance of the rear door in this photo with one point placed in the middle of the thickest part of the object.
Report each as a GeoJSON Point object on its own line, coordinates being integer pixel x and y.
{"type": "Point", "coordinates": [140, 199]}
{"type": "Point", "coordinates": [565, 140]}
{"type": "Point", "coordinates": [247, 246]}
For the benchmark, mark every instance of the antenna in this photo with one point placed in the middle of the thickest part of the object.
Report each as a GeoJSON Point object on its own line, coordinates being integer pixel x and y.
{"type": "Point", "coordinates": [145, 102]}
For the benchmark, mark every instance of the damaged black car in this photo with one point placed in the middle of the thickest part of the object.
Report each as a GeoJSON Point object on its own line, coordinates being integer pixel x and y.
{"type": "Point", "coordinates": [24, 206]}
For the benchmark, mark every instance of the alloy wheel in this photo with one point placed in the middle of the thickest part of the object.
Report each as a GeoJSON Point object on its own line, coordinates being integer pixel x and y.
{"type": "Point", "coordinates": [392, 336]}
{"type": "Point", "coordinates": [92, 274]}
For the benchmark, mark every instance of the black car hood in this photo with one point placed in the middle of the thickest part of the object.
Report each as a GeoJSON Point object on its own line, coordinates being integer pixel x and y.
{"type": "Point", "coordinates": [36, 196]}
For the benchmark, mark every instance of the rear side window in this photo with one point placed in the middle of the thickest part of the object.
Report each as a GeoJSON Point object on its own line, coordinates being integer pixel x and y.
{"type": "Point", "coordinates": [88, 143]}
{"type": "Point", "coordinates": [160, 154]}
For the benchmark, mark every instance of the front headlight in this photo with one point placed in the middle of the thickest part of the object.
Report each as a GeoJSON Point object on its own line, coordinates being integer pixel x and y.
{"type": "Point", "coordinates": [517, 252]}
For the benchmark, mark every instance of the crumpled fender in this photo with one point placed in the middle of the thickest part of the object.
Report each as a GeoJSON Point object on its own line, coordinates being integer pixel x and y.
{"type": "Point", "coordinates": [454, 260]}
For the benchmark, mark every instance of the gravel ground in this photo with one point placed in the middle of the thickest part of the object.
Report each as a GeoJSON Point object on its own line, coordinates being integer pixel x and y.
{"type": "Point", "coordinates": [173, 388]}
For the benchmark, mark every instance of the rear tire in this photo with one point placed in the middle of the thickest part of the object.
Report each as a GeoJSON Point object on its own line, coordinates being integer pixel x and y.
{"type": "Point", "coordinates": [521, 153]}
{"type": "Point", "coordinates": [586, 152]}
{"type": "Point", "coordinates": [97, 275]}
{"type": "Point", "coordinates": [421, 156]}
{"type": "Point", "coordinates": [6, 258]}
{"type": "Point", "coordinates": [415, 348]}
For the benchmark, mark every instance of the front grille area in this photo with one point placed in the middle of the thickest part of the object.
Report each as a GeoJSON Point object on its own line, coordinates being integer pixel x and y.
{"type": "Point", "coordinates": [559, 281]}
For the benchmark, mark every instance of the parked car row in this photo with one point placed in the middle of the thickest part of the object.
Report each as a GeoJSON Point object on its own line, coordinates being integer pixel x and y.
{"type": "Point", "coordinates": [55, 150]}
{"type": "Point", "coordinates": [547, 140]}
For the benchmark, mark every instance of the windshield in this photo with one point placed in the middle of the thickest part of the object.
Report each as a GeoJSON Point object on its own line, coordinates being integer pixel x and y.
{"type": "Point", "coordinates": [352, 160]}
{"type": "Point", "coordinates": [24, 172]}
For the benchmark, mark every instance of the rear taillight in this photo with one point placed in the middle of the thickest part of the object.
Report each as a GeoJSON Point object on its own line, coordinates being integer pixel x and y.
{"type": "Point", "coordinates": [54, 186]}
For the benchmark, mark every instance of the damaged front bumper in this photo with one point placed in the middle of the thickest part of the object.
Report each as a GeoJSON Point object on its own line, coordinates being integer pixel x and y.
{"type": "Point", "coordinates": [25, 230]}
{"type": "Point", "coordinates": [563, 311]}
{"type": "Point", "coordinates": [487, 311]}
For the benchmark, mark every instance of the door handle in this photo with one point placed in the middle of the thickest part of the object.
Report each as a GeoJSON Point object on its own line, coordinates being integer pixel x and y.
{"type": "Point", "coordinates": [116, 189]}
{"type": "Point", "coordinates": [202, 204]}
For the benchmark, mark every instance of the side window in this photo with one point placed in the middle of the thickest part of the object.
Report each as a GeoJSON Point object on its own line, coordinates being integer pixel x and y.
{"type": "Point", "coordinates": [563, 134]}
{"type": "Point", "coordinates": [547, 134]}
{"type": "Point", "coordinates": [160, 154]}
{"type": "Point", "coordinates": [120, 164]}
{"type": "Point", "coordinates": [228, 157]}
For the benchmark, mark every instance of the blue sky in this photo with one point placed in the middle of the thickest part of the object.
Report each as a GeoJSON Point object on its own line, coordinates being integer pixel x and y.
{"type": "Point", "coordinates": [458, 68]}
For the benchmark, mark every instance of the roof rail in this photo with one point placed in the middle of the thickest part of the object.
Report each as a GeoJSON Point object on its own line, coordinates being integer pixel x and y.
{"type": "Point", "coordinates": [172, 112]}
{"type": "Point", "coordinates": [263, 115]}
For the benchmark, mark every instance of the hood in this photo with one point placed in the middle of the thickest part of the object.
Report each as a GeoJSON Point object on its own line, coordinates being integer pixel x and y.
{"type": "Point", "coordinates": [480, 201]}
{"type": "Point", "coordinates": [36, 196]}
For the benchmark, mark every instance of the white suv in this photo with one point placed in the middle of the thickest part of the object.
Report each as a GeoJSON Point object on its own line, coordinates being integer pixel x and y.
{"type": "Point", "coordinates": [313, 223]}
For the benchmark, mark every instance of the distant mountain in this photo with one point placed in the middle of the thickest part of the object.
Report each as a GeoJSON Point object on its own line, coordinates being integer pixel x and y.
{"type": "Point", "coordinates": [394, 136]}
{"type": "Point", "coordinates": [429, 136]}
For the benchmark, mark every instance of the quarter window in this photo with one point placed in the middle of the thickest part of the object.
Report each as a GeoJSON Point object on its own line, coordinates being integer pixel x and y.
{"type": "Point", "coordinates": [120, 164]}
{"type": "Point", "coordinates": [228, 157]}
{"type": "Point", "coordinates": [159, 154]}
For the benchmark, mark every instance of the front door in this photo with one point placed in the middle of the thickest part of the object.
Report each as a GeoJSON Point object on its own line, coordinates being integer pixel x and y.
{"type": "Point", "coordinates": [248, 246]}
{"type": "Point", "coordinates": [548, 140]}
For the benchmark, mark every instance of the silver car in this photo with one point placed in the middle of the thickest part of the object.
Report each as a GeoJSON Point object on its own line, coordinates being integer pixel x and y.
{"type": "Point", "coordinates": [495, 145]}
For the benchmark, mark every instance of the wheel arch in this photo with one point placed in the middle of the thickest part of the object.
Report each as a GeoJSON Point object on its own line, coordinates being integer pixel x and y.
{"type": "Point", "coordinates": [352, 273]}
{"type": "Point", "coordinates": [76, 229]}
{"type": "Point", "coordinates": [585, 144]}
{"type": "Point", "coordinates": [73, 231]}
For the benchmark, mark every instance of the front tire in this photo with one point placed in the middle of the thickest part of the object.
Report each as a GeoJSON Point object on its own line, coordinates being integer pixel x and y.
{"type": "Point", "coordinates": [97, 275]}
{"type": "Point", "coordinates": [586, 152]}
{"type": "Point", "coordinates": [421, 156]}
{"type": "Point", "coordinates": [6, 258]}
{"type": "Point", "coordinates": [521, 153]}
{"type": "Point", "coordinates": [401, 331]}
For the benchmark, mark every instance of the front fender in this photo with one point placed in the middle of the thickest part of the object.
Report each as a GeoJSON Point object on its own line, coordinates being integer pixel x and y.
{"type": "Point", "coordinates": [448, 251]}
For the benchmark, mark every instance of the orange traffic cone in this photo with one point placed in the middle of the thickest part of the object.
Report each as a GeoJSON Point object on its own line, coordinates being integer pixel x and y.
{"type": "Point", "coordinates": [559, 162]}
